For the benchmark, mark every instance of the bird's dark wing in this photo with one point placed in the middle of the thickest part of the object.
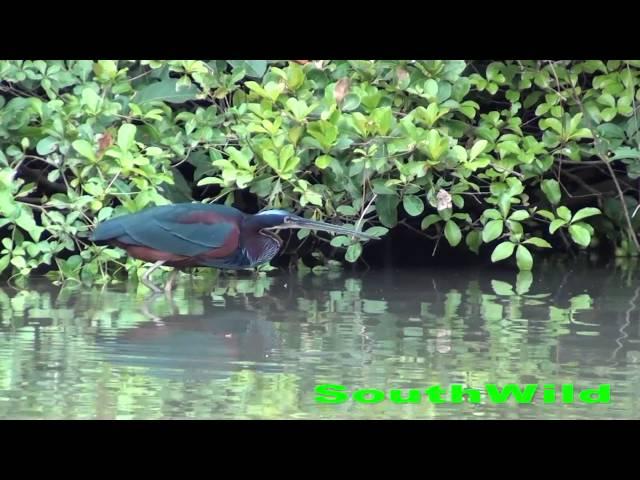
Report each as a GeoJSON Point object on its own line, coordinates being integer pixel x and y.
{"type": "Point", "coordinates": [175, 231]}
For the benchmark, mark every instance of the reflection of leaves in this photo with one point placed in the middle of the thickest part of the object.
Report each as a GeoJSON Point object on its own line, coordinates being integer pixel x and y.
{"type": "Point", "coordinates": [452, 303]}
{"type": "Point", "coordinates": [558, 314]}
{"type": "Point", "coordinates": [496, 347]}
{"type": "Point", "coordinates": [581, 302]}
{"type": "Point", "coordinates": [533, 303]}
{"type": "Point", "coordinates": [491, 311]}
{"type": "Point", "coordinates": [374, 306]}
{"type": "Point", "coordinates": [502, 288]}
{"type": "Point", "coordinates": [523, 282]}
{"type": "Point", "coordinates": [353, 285]}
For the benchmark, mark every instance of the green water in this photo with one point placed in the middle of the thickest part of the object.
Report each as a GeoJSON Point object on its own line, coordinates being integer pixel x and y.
{"type": "Point", "coordinates": [255, 348]}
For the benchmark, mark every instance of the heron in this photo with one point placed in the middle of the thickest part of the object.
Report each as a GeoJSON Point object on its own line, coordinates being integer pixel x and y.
{"type": "Point", "coordinates": [204, 235]}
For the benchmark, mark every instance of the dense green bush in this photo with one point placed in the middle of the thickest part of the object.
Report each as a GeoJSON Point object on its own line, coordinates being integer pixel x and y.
{"type": "Point", "coordinates": [511, 154]}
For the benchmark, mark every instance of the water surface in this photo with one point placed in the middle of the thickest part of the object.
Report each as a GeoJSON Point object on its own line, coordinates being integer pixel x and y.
{"type": "Point", "coordinates": [246, 347]}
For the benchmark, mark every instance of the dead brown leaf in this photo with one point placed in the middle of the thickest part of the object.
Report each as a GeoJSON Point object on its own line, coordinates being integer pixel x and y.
{"type": "Point", "coordinates": [342, 89]}
{"type": "Point", "coordinates": [402, 74]}
{"type": "Point", "coordinates": [106, 140]}
{"type": "Point", "coordinates": [443, 200]}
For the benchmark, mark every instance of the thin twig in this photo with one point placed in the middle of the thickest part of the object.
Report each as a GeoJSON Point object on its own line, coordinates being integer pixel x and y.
{"type": "Point", "coordinates": [364, 211]}
{"type": "Point", "coordinates": [419, 232]}
{"type": "Point", "coordinates": [433, 254]}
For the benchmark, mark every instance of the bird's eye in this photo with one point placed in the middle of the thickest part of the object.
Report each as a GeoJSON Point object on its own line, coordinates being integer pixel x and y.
{"type": "Point", "coordinates": [287, 219]}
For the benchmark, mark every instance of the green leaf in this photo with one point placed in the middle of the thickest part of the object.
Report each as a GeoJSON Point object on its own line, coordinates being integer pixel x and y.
{"type": "Point", "coordinates": [323, 161]}
{"type": "Point", "coordinates": [524, 258]}
{"type": "Point", "coordinates": [564, 213]}
{"type": "Point", "coordinates": [126, 136]}
{"type": "Point", "coordinates": [299, 108]}
{"type": "Point", "coordinates": [492, 230]}
{"type": "Point", "coordinates": [347, 210]}
{"type": "Point", "coordinates": [551, 189]}
{"type": "Point", "coordinates": [210, 181]}
{"type": "Point", "coordinates": [515, 227]}
{"type": "Point", "coordinates": [85, 149]}
{"type": "Point", "coordinates": [492, 213]}
{"type": "Point", "coordinates": [413, 205]}
{"type": "Point", "coordinates": [622, 153]}
{"type": "Point", "coordinates": [254, 68]}
{"type": "Point", "coordinates": [459, 153]}
{"type": "Point", "coordinates": [47, 145]}
{"type": "Point", "coordinates": [166, 90]}
{"type": "Point", "coordinates": [381, 188]}
{"type": "Point", "coordinates": [377, 231]}
{"type": "Point", "coordinates": [581, 133]}
{"type": "Point", "coordinates": [429, 220]}
{"type": "Point", "coordinates": [387, 208]}
{"type": "Point", "coordinates": [556, 224]}
{"type": "Point", "coordinates": [508, 147]}
{"type": "Point", "coordinates": [312, 197]}
{"type": "Point", "coordinates": [271, 159]}
{"type": "Point", "coordinates": [584, 213]}
{"type": "Point", "coordinates": [474, 240]}
{"type": "Point", "coordinates": [383, 117]}
{"type": "Point", "coordinates": [546, 214]}
{"type": "Point", "coordinates": [91, 99]}
{"type": "Point", "coordinates": [477, 149]}
{"type": "Point", "coordinates": [580, 235]}
{"type": "Point", "coordinates": [608, 114]}
{"type": "Point", "coordinates": [607, 100]}
{"type": "Point", "coordinates": [452, 233]}
{"type": "Point", "coordinates": [431, 88]}
{"type": "Point", "coordinates": [353, 252]}
{"type": "Point", "coordinates": [18, 262]}
{"type": "Point", "coordinates": [532, 98]}
{"type": "Point", "coordinates": [502, 251]}
{"type": "Point", "coordinates": [519, 215]}
{"type": "Point", "coordinates": [552, 123]}
{"type": "Point", "coordinates": [538, 242]}
{"type": "Point", "coordinates": [28, 224]}
{"type": "Point", "coordinates": [463, 216]}
{"type": "Point", "coordinates": [325, 132]}
{"type": "Point", "coordinates": [350, 102]}
{"type": "Point", "coordinates": [106, 69]}
{"type": "Point", "coordinates": [4, 262]}
{"type": "Point", "coordinates": [340, 241]}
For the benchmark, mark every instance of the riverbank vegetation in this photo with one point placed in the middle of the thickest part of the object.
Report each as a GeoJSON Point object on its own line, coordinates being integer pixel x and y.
{"type": "Point", "coordinates": [504, 159]}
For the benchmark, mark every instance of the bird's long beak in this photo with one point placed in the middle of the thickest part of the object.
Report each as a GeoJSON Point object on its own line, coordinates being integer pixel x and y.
{"type": "Point", "coordinates": [300, 222]}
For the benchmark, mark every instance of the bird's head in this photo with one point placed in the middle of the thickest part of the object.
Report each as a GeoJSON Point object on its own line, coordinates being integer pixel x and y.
{"type": "Point", "coordinates": [281, 219]}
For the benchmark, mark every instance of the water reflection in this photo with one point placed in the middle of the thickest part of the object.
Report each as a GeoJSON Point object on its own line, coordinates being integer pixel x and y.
{"type": "Point", "coordinates": [255, 347]}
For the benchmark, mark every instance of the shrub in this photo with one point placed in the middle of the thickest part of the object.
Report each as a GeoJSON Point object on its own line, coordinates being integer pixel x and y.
{"type": "Point", "coordinates": [508, 154]}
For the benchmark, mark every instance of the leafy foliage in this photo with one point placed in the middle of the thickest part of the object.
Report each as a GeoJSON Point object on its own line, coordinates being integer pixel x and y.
{"type": "Point", "coordinates": [508, 155]}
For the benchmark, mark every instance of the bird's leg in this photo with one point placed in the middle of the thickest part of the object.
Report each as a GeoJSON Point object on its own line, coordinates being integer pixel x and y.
{"type": "Point", "coordinates": [147, 311]}
{"type": "Point", "coordinates": [168, 286]}
{"type": "Point", "coordinates": [145, 277]}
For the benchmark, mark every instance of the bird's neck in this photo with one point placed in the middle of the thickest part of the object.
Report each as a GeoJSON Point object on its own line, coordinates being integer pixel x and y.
{"type": "Point", "coordinates": [259, 245]}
